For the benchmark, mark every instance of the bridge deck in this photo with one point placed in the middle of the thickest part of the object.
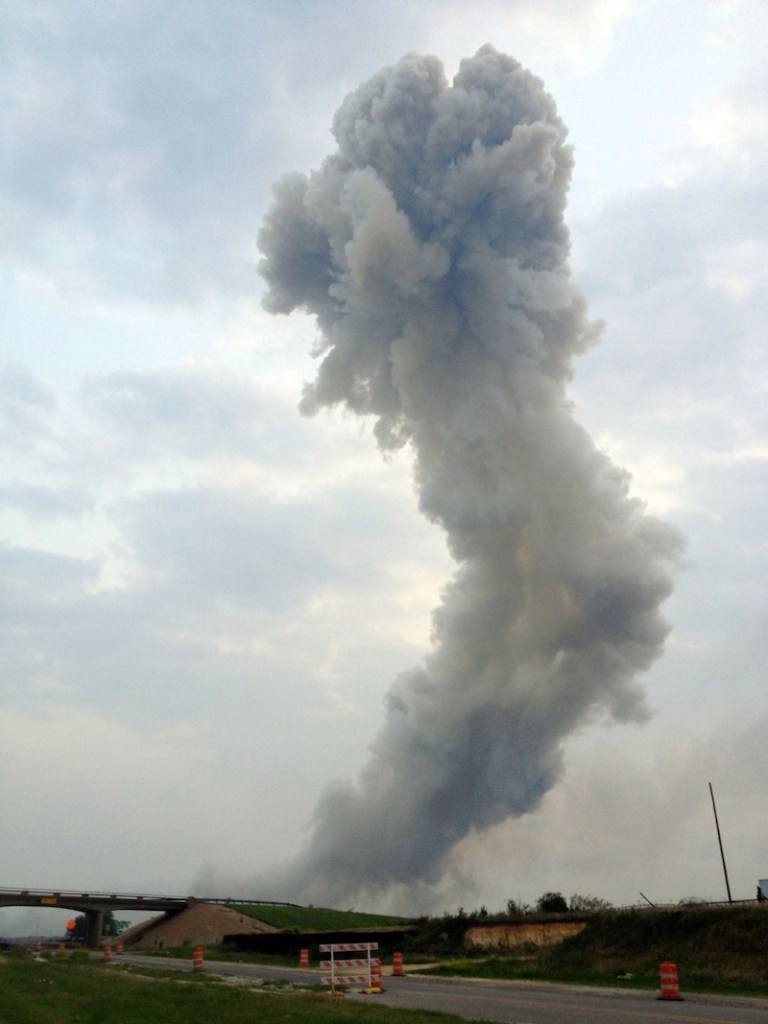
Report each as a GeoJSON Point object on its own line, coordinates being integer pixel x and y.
{"type": "Point", "coordinates": [73, 900]}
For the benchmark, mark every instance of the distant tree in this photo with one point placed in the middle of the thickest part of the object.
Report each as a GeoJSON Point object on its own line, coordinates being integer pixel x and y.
{"type": "Point", "coordinates": [108, 924]}
{"type": "Point", "coordinates": [579, 902]}
{"type": "Point", "coordinates": [552, 903]}
{"type": "Point", "coordinates": [109, 927]}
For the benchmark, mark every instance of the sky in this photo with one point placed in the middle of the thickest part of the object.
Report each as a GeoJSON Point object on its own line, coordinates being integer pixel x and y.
{"type": "Point", "coordinates": [207, 594]}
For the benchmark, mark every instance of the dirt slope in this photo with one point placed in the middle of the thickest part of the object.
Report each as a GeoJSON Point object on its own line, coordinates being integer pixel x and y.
{"type": "Point", "coordinates": [204, 924]}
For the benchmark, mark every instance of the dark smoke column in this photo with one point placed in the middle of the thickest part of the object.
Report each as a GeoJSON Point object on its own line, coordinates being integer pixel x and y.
{"type": "Point", "coordinates": [432, 250]}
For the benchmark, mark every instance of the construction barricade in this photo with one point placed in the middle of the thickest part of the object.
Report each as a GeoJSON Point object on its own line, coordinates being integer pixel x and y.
{"type": "Point", "coordinates": [366, 970]}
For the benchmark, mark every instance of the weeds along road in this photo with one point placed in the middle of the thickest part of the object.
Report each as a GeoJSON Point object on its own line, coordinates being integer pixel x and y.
{"type": "Point", "coordinates": [509, 1002]}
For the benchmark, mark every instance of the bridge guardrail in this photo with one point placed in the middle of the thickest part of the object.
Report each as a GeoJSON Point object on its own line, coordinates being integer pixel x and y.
{"type": "Point", "coordinates": [60, 894]}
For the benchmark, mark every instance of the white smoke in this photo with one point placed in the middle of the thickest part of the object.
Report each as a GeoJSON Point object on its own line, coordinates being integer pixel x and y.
{"type": "Point", "coordinates": [432, 250]}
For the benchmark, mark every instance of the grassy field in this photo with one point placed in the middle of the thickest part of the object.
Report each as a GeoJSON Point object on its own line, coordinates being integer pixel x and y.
{"type": "Point", "coordinates": [73, 991]}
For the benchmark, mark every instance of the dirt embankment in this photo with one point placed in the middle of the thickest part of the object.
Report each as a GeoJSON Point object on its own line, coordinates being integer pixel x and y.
{"type": "Point", "coordinates": [510, 936]}
{"type": "Point", "coordinates": [203, 924]}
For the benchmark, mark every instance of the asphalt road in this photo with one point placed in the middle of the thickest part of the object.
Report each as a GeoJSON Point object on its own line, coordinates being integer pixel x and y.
{"type": "Point", "coordinates": [512, 1002]}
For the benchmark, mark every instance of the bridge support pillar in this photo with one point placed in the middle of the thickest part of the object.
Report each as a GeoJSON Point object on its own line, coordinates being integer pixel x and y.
{"type": "Point", "coordinates": [94, 924]}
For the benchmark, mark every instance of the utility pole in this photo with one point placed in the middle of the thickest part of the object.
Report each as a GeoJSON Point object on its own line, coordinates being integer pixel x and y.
{"type": "Point", "coordinates": [720, 842]}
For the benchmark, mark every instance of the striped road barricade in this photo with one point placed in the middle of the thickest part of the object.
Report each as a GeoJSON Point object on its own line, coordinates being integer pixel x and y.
{"type": "Point", "coordinates": [366, 970]}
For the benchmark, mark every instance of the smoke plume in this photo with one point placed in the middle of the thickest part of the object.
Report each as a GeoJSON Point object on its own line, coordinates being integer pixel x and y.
{"type": "Point", "coordinates": [432, 250]}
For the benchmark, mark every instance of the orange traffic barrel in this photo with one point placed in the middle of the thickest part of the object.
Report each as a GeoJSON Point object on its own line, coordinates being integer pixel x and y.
{"type": "Point", "coordinates": [670, 988]}
{"type": "Point", "coordinates": [397, 965]}
{"type": "Point", "coordinates": [197, 960]}
{"type": "Point", "coordinates": [303, 958]}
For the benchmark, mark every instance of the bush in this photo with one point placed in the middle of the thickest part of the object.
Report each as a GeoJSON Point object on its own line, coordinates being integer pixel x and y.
{"type": "Point", "coordinates": [552, 903]}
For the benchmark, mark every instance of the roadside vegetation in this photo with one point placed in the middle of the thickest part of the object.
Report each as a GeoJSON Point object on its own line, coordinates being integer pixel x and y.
{"type": "Point", "coordinates": [715, 948]}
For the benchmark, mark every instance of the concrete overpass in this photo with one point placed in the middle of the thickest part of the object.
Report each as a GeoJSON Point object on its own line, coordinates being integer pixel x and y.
{"type": "Point", "coordinates": [93, 905]}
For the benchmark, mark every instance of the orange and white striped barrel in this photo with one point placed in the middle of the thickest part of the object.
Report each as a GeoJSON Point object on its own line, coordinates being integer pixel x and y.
{"type": "Point", "coordinates": [303, 958]}
{"type": "Point", "coordinates": [108, 954]}
{"type": "Point", "coordinates": [670, 988]}
{"type": "Point", "coordinates": [397, 965]}
{"type": "Point", "coordinates": [197, 960]}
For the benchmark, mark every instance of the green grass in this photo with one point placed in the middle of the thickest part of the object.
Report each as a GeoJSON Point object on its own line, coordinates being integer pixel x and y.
{"type": "Point", "coordinates": [519, 969]}
{"type": "Point", "coordinates": [715, 948]}
{"type": "Point", "coordinates": [317, 919]}
{"type": "Point", "coordinates": [71, 992]}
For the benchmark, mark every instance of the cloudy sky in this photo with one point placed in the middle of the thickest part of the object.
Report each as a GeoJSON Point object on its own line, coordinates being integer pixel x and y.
{"type": "Point", "coordinates": [205, 594]}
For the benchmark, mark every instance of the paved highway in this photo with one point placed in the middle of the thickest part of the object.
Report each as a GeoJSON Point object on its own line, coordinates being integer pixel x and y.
{"type": "Point", "coordinates": [511, 1002]}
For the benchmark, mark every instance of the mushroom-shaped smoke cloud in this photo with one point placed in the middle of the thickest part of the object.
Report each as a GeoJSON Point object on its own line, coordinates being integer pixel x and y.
{"type": "Point", "coordinates": [432, 250]}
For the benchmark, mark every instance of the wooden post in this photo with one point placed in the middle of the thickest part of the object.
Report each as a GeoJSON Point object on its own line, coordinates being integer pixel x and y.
{"type": "Point", "coordinates": [720, 842]}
